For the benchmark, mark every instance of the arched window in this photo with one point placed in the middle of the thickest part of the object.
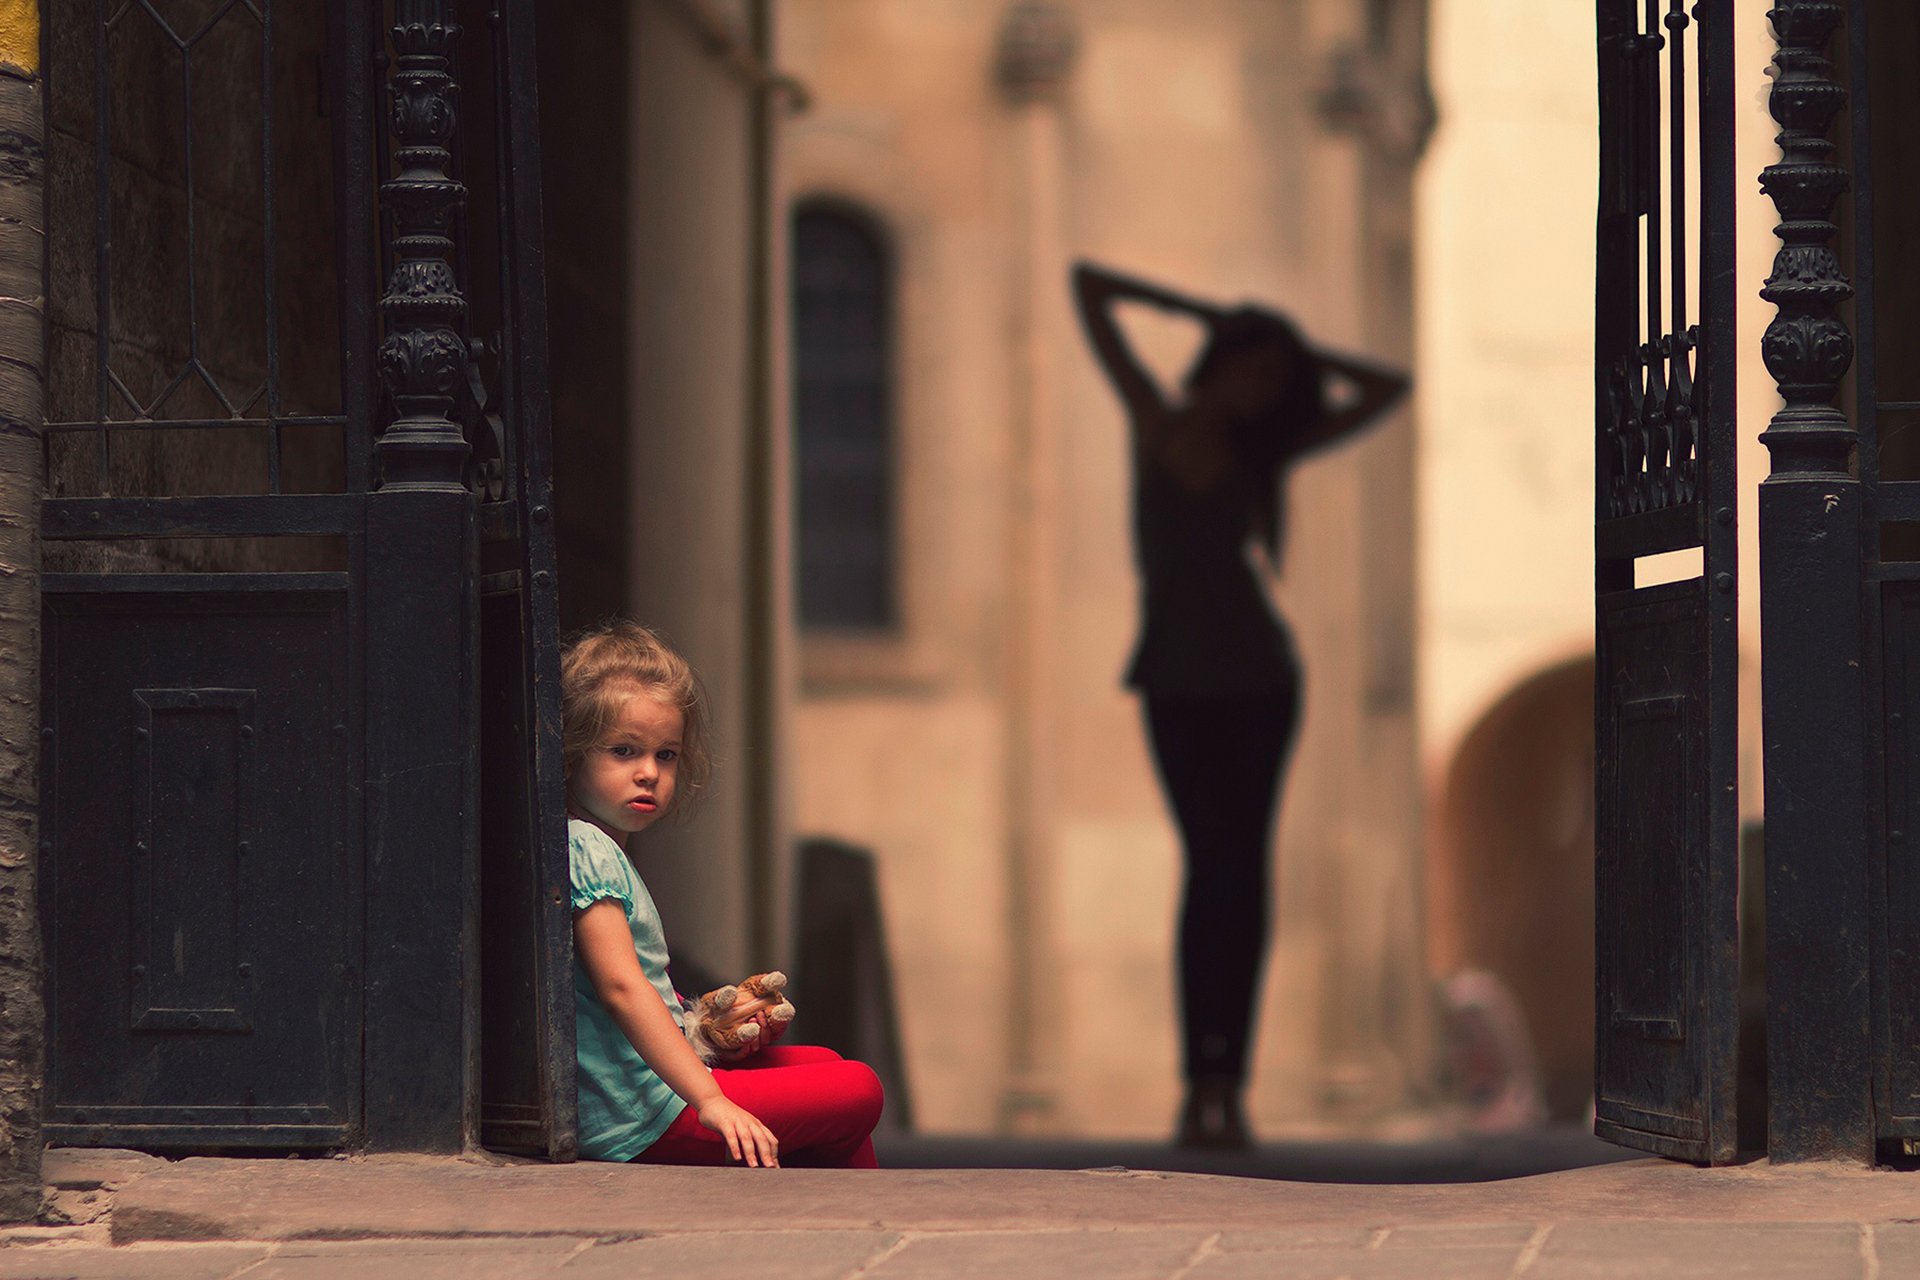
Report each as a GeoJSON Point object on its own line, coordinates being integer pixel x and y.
{"type": "Point", "coordinates": [843, 420]}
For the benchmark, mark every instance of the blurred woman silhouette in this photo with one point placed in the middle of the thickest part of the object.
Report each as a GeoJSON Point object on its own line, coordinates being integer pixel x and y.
{"type": "Point", "coordinates": [1215, 664]}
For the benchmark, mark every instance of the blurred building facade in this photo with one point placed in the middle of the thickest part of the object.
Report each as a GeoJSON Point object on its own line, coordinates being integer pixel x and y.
{"type": "Point", "coordinates": [972, 729]}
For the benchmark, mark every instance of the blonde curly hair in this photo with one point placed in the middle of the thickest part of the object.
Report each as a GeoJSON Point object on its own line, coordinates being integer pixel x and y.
{"type": "Point", "coordinates": [603, 666]}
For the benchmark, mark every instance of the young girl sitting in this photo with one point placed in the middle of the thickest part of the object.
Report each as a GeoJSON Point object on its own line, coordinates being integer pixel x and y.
{"type": "Point", "coordinates": [635, 730]}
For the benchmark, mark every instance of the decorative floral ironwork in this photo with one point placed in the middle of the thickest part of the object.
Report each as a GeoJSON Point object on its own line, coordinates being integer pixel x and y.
{"type": "Point", "coordinates": [1655, 407]}
{"type": "Point", "coordinates": [1652, 442]}
{"type": "Point", "coordinates": [423, 359]}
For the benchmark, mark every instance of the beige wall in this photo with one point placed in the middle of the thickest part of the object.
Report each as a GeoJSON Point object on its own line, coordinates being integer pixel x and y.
{"type": "Point", "coordinates": [1186, 147]}
{"type": "Point", "coordinates": [897, 741]}
{"type": "Point", "coordinates": [693, 370]}
{"type": "Point", "coordinates": [1505, 217]}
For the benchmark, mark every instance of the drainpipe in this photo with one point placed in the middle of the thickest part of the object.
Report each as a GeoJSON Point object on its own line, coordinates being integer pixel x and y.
{"type": "Point", "coordinates": [769, 609]}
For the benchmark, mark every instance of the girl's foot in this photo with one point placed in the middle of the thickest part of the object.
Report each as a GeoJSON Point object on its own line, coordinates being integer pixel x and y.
{"type": "Point", "coordinates": [1212, 1118]}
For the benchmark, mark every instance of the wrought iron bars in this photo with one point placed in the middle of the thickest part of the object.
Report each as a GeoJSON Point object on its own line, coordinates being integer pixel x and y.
{"type": "Point", "coordinates": [1654, 403]}
{"type": "Point", "coordinates": [423, 360]}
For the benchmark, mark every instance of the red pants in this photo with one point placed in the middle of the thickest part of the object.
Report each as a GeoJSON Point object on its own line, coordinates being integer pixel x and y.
{"type": "Point", "coordinates": [821, 1107]}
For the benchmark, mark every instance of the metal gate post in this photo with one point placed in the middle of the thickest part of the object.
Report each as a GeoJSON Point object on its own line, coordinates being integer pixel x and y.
{"type": "Point", "coordinates": [1819, 1026]}
{"type": "Point", "coordinates": [422, 870]}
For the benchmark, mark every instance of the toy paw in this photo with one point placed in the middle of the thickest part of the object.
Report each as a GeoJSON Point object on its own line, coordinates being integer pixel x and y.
{"type": "Point", "coordinates": [724, 1023]}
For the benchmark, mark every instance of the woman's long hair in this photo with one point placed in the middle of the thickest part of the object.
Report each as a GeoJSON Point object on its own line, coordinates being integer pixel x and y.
{"type": "Point", "coordinates": [1264, 442]}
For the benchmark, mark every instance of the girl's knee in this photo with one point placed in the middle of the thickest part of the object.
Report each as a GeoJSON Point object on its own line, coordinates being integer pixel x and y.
{"type": "Point", "coordinates": [864, 1096]}
{"type": "Point", "coordinates": [792, 1055]}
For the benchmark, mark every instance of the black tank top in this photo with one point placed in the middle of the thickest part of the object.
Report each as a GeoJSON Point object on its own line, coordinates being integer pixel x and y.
{"type": "Point", "coordinates": [1208, 629]}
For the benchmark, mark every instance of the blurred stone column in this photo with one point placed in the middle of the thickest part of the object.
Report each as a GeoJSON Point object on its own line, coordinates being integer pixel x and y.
{"type": "Point", "coordinates": [1380, 1031]}
{"type": "Point", "coordinates": [1033, 60]}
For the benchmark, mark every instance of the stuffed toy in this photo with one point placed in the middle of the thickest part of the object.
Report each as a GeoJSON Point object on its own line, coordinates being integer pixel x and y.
{"type": "Point", "coordinates": [720, 1023]}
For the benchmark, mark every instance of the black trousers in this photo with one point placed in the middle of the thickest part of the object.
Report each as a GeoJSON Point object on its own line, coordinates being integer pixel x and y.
{"type": "Point", "coordinates": [1221, 760]}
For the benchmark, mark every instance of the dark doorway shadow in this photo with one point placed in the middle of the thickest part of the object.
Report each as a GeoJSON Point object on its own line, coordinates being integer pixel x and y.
{"type": "Point", "coordinates": [1456, 1158]}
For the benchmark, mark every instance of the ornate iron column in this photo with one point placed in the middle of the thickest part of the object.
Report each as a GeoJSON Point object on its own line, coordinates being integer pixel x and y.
{"type": "Point", "coordinates": [422, 1011]}
{"type": "Point", "coordinates": [1819, 1029]}
{"type": "Point", "coordinates": [423, 357]}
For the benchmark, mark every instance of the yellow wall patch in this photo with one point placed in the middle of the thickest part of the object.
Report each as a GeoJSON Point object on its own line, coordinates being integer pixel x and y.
{"type": "Point", "coordinates": [20, 35]}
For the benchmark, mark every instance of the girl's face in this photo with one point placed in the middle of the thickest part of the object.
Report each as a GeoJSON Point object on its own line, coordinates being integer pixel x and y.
{"type": "Point", "coordinates": [626, 780]}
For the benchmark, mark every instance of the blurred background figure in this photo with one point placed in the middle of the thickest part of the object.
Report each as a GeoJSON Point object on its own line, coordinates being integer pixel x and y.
{"type": "Point", "coordinates": [1215, 664]}
{"type": "Point", "coordinates": [809, 333]}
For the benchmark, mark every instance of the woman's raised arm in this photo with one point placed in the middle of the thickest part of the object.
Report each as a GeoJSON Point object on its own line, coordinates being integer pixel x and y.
{"type": "Point", "coordinates": [1378, 388]}
{"type": "Point", "coordinates": [1095, 290]}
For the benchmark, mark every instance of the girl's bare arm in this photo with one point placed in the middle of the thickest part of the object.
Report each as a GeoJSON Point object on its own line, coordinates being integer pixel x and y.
{"type": "Point", "coordinates": [605, 946]}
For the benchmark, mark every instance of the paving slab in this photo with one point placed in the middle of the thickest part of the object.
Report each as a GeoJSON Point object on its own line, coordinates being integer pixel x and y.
{"type": "Point", "coordinates": [238, 1199]}
{"type": "Point", "coordinates": [469, 1259]}
{"type": "Point", "coordinates": [1453, 1251]}
{"type": "Point", "coordinates": [1684, 1251]}
{"type": "Point", "coordinates": [1466, 1263]}
{"type": "Point", "coordinates": [136, 1262]}
{"type": "Point", "coordinates": [1109, 1254]}
{"type": "Point", "coordinates": [761, 1255]}
{"type": "Point", "coordinates": [1459, 1235]}
{"type": "Point", "coordinates": [1897, 1248]}
{"type": "Point", "coordinates": [1278, 1240]}
{"type": "Point", "coordinates": [89, 1169]}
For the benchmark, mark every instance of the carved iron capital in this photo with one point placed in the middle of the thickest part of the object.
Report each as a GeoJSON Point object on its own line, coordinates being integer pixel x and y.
{"type": "Point", "coordinates": [423, 357]}
{"type": "Point", "coordinates": [1807, 347]}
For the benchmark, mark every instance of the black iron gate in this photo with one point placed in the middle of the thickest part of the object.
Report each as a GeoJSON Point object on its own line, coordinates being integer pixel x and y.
{"type": "Point", "coordinates": [299, 684]}
{"type": "Point", "coordinates": [1881, 39]}
{"type": "Point", "coordinates": [526, 920]}
{"type": "Point", "coordinates": [1666, 653]}
{"type": "Point", "coordinates": [1872, 1092]}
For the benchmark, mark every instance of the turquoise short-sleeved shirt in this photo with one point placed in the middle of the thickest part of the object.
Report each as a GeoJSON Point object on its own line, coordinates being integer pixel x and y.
{"type": "Point", "coordinates": [624, 1105]}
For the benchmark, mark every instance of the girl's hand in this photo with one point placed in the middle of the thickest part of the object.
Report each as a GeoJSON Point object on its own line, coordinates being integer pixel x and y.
{"type": "Point", "coordinates": [770, 1031]}
{"type": "Point", "coordinates": [749, 1045]}
{"type": "Point", "coordinates": [747, 1139]}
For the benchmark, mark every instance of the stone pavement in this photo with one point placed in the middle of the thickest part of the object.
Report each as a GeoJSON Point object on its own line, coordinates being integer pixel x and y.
{"type": "Point", "coordinates": [486, 1217]}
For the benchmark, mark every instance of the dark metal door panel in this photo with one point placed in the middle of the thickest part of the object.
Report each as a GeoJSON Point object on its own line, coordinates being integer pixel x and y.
{"type": "Point", "coordinates": [1885, 266]}
{"type": "Point", "coordinates": [1652, 868]}
{"type": "Point", "coordinates": [527, 1048]}
{"type": "Point", "coordinates": [1900, 652]}
{"type": "Point", "coordinates": [204, 946]}
{"type": "Point", "coordinates": [1666, 854]}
